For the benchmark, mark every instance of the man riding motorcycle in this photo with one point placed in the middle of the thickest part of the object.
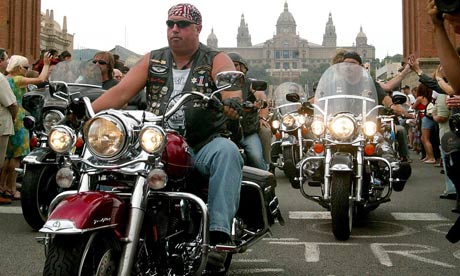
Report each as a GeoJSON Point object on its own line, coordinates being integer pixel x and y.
{"type": "Point", "coordinates": [188, 65]}
{"type": "Point", "coordinates": [252, 120]}
{"type": "Point", "coordinates": [401, 134]}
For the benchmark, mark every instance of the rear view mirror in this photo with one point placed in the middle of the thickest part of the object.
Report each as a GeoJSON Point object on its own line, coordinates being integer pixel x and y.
{"type": "Point", "coordinates": [233, 79]}
{"type": "Point", "coordinates": [259, 85]}
{"type": "Point", "coordinates": [292, 97]}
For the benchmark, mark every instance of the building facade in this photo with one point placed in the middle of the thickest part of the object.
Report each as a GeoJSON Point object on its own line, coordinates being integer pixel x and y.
{"type": "Point", "coordinates": [286, 55]}
{"type": "Point", "coordinates": [20, 27]}
{"type": "Point", "coordinates": [52, 35]}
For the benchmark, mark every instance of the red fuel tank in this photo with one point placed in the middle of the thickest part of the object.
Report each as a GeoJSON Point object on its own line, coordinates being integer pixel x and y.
{"type": "Point", "coordinates": [176, 157]}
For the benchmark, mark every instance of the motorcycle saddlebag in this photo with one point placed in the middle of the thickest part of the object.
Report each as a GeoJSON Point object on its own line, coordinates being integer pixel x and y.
{"type": "Point", "coordinates": [267, 184]}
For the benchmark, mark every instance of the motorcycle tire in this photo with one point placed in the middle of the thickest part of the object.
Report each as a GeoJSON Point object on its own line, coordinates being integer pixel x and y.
{"type": "Point", "coordinates": [290, 171]}
{"type": "Point", "coordinates": [38, 190]}
{"type": "Point", "coordinates": [66, 252]}
{"type": "Point", "coordinates": [342, 206]}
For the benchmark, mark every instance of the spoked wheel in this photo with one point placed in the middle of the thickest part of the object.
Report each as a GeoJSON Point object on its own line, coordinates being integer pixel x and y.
{"type": "Point", "coordinates": [67, 255]}
{"type": "Point", "coordinates": [342, 205]}
{"type": "Point", "coordinates": [38, 190]}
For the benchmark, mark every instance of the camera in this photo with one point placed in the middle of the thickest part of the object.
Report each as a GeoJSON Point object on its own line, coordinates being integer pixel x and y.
{"type": "Point", "coordinates": [448, 6]}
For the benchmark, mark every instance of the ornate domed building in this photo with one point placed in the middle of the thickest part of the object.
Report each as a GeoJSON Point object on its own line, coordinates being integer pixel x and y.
{"type": "Point", "coordinates": [289, 57]}
{"type": "Point", "coordinates": [52, 36]}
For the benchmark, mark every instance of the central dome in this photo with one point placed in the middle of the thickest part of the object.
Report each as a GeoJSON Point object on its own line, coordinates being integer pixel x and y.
{"type": "Point", "coordinates": [285, 17]}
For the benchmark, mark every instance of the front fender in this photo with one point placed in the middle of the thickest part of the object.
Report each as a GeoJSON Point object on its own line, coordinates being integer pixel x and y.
{"type": "Point", "coordinates": [342, 161]}
{"type": "Point", "coordinates": [40, 156]}
{"type": "Point", "coordinates": [86, 211]}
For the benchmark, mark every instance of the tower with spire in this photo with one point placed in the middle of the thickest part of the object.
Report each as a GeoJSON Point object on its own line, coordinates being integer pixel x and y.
{"type": "Point", "coordinates": [361, 38]}
{"type": "Point", "coordinates": [330, 37]}
{"type": "Point", "coordinates": [243, 38]}
{"type": "Point", "coordinates": [212, 40]}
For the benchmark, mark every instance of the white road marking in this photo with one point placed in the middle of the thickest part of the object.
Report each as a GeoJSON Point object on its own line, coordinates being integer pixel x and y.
{"type": "Point", "coordinates": [309, 215]}
{"type": "Point", "coordinates": [396, 216]}
{"type": "Point", "coordinates": [382, 254]}
{"type": "Point", "coordinates": [250, 260]}
{"type": "Point", "coordinates": [254, 271]}
{"type": "Point", "coordinates": [418, 216]}
{"type": "Point", "coordinates": [312, 248]}
{"type": "Point", "coordinates": [10, 210]}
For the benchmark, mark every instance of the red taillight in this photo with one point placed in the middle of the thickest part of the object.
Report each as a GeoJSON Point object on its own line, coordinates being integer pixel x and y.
{"type": "Point", "coordinates": [369, 149]}
{"type": "Point", "coordinates": [318, 148]}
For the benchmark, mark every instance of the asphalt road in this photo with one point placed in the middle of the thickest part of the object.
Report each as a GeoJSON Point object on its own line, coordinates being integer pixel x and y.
{"type": "Point", "coordinates": [405, 236]}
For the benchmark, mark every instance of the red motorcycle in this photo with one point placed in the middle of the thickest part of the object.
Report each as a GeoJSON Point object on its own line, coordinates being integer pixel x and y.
{"type": "Point", "coordinates": [140, 209]}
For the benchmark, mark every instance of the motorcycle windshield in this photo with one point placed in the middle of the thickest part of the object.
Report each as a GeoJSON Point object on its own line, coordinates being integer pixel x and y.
{"type": "Point", "coordinates": [284, 106]}
{"type": "Point", "coordinates": [76, 71]}
{"type": "Point", "coordinates": [346, 87]}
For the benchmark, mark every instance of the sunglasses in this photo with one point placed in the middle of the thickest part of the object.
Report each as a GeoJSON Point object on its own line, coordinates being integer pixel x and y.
{"type": "Point", "coordinates": [181, 24]}
{"type": "Point", "coordinates": [101, 62]}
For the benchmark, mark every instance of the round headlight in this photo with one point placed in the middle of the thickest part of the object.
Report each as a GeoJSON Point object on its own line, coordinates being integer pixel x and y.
{"type": "Point", "coordinates": [61, 139]}
{"type": "Point", "coordinates": [317, 127]}
{"type": "Point", "coordinates": [288, 121]}
{"type": "Point", "coordinates": [342, 127]}
{"type": "Point", "coordinates": [152, 139]}
{"type": "Point", "coordinates": [370, 128]}
{"type": "Point", "coordinates": [52, 118]}
{"type": "Point", "coordinates": [105, 137]}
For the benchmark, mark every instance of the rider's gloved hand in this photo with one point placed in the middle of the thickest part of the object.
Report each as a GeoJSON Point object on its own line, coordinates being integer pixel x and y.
{"type": "Point", "coordinates": [232, 108]}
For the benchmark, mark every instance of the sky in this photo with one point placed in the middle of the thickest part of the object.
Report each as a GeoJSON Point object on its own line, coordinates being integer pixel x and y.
{"type": "Point", "coordinates": [139, 25]}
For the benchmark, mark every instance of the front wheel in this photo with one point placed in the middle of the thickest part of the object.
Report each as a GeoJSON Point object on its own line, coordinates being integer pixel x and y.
{"type": "Point", "coordinates": [67, 254]}
{"type": "Point", "coordinates": [290, 156]}
{"type": "Point", "coordinates": [38, 190]}
{"type": "Point", "coordinates": [342, 205]}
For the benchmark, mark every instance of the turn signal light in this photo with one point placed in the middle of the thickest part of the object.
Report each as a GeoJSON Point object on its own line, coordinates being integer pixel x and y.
{"type": "Point", "coordinates": [79, 143]}
{"type": "Point", "coordinates": [304, 131]}
{"type": "Point", "coordinates": [369, 149]}
{"type": "Point", "coordinates": [318, 148]}
{"type": "Point", "coordinates": [33, 142]}
{"type": "Point", "coordinates": [278, 135]}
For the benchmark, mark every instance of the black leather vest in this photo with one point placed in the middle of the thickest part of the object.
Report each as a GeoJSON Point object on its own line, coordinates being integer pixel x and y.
{"type": "Point", "coordinates": [201, 124]}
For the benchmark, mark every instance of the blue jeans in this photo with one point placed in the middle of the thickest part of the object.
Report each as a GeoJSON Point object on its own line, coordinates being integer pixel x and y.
{"type": "Point", "coordinates": [450, 188]}
{"type": "Point", "coordinates": [221, 162]}
{"type": "Point", "coordinates": [253, 149]}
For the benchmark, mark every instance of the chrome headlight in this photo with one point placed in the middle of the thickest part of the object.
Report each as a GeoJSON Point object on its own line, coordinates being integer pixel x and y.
{"type": "Point", "coordinates": [152, 139]}
{"type": "Point", "coordinates": [52, 118]}
{"type": "Point", "coordinates": [289, 121]}
{"type": "Point", "coordinates": [317, 127]}
{"type": "Point", "coordinates": [342, 127]}
{"type": "Point", "coordinates": [106, 136]}
{"type": "Point", "coordinates": [61, 139]}
{"type": "Point", "coordinates": [369, 128]}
